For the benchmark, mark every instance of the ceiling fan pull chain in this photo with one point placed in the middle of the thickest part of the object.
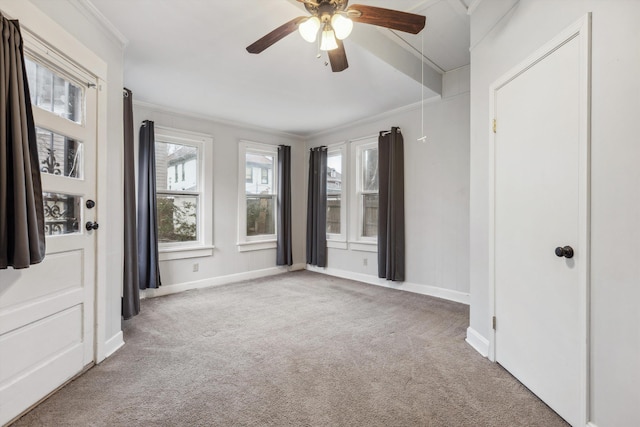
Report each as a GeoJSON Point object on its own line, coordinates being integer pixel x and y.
{"type": "Point", "coordinates": [423, 138]}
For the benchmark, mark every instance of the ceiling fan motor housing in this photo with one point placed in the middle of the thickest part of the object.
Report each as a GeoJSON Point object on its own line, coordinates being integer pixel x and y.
{"type": "Point", "coordinates": [324, 8]}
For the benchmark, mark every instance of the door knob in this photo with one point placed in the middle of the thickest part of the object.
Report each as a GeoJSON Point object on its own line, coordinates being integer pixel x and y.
{"type": "Point", "coordinates": [91, 225]}
{"type": "Point", "coordinates": [566, 252]}
{"type": "Point", "coordinates": [90, 204]}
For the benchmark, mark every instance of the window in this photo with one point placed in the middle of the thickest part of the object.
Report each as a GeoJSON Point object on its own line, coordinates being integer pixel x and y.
{"type": "Point", "coordinates": [248, 176]}
{"type": "Point", "coordinates": [177, 199]}
{"type": "Point", "coordinates": [368, 191]}
{"type": "Point", "coordinates": [336, 197]}
{"type": "Point", "coordinates": [180, 196]}
{"type": "Point", "coordinates": [364, 230]}
{"type": "Point", "coordinates": [257, 200]}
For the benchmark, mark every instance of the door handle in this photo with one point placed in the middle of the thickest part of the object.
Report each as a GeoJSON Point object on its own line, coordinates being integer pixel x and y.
{"type": "Point", "coordinates": [566, 252]}
{"type": "Point", "coordinates": [91, 225]}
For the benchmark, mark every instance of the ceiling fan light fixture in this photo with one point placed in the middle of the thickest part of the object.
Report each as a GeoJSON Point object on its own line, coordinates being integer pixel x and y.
{"type": "Point", "coordinates": [328, 41]}
{"type": "Point", "coordinates": [309, 29]}
{"type": "Point", "coordinates": [341, 25]}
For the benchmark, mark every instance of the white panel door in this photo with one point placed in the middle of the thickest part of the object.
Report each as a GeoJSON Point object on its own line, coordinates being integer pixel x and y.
{"type": "Point", "coordinates": [47, 311]}
{"type": "Point", "coordinates": [539, 192]}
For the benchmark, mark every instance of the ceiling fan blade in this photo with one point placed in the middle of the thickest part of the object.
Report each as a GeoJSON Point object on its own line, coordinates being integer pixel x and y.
{"type": "Point", "coordinates": [275, 35]}
{"type": "Point", "coordinates": [338, 58]}
{"type": "Point", "coordinates": [394, 19]}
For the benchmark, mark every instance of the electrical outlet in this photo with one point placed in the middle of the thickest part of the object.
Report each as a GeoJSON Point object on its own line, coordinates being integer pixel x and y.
{"type": "Point", "coordinates": [196, 267]}
{"type": "Point", "coordinates": [365, 261]}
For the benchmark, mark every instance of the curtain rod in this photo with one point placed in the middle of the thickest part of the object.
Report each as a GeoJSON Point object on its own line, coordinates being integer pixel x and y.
{"type": "Point", "coordinates": [387, 132]}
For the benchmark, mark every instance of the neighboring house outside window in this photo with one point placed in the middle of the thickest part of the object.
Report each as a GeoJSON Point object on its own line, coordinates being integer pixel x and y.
{"type": "Point", "coordinates": [257, 199]}
{"type": "Point", "coordinates": [336, 197]}
{"type": "Point", "coordinates": [180, 195]}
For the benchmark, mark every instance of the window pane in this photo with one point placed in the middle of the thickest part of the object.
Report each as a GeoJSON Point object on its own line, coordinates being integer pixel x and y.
{"type": "Point", "coordinates": [176, 167]}
{"type": "Point", "coordinates": [260, 215]}
{"type": "Point", "coordinates": [59, 155]}
{"type": "Point", "coordinates": [54, 93]}
{"type": "Point", "coordinates": [263, 166]}
{"type": "Point", "coordinates": [370, 215]}
{"type": "Point", "coordinates": [334, 192]}
{"type": "Point", "coordinates": [248, 174]}
{"type": "Point", "coordinates": [370, 169]}
{"type": "Point", "coordinates": [61, 214]}
{"type": "Point", "coordinates": [333, 214]}
{"type": "Point", "coordinates": [177, 218]}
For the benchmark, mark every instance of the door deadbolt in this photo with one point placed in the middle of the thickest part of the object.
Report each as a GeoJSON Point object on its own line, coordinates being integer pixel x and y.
{"type": "Point", "coordinates": [566, 252]}
{"type": "Point", "coordinates": [91, 225]}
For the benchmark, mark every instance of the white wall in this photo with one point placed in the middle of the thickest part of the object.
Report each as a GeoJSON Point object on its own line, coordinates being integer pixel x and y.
{"type": "Point", "coordinates": [227, 263]}
{"type": "Point", "coordinates": [497, 46]}
{"type": "Point", "coordinates": [436, 193]}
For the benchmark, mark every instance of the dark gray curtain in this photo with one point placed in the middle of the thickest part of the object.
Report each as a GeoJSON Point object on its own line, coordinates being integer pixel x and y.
{"type": "Point", "coordinates": [391, 208]}
{"type": "Point", "coordinates": [284, 255]}
{"type": "Point", "coordinates": [317, 208]}
{"type": "Point", "coordinates": [148, 266]}
{"type": "Point", "coordinates": [22, 238]}
{"type": "Point", "coordinates": [130, 279]}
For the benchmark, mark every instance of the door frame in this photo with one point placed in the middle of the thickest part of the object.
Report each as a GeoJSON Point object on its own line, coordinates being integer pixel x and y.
{"type": "Point", "coordinates": [580, 30]}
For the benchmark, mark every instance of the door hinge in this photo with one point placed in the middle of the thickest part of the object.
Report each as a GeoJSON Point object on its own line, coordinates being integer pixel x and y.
{"type": "Point", "coordinates": [493, 322]}
{"type": "Point", "coordinates": [495, 125]}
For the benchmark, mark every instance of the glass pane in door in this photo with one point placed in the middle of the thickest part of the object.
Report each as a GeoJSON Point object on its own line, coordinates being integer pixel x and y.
{"type": "Point", "coordinates": [59, 155]}
{"type": "Point", "coordinates": [61, 214]}
{"type": "Point", "coordinates": [54, 93]}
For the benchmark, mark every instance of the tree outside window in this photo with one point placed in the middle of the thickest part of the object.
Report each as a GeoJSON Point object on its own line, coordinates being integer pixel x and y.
{"type": "Point", "coordinates": [334, 192]}
{"type": "Point", "coordinates": [260, 197]}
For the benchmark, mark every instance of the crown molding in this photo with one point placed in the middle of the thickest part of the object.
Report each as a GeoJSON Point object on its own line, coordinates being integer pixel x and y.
{"type": "Point", "coordinates": [89, 10]}
{"type": "Point", "coordinates": [377, 117]}
{"type": "Point", "coordinates": [216, 120]}
{"type": "Point", "coordinates": [473, 6]}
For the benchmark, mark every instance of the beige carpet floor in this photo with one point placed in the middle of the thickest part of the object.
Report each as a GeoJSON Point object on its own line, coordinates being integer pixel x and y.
{"type": "Point", "coordinates": [298, 349]}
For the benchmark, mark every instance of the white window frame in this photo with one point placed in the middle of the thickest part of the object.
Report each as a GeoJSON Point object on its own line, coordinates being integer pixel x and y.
{"type": "Point", "coordinates": [265, 241]}
{"type": "Point", "coordinates": [335, 240]}
{"type": "Point", "coordinates": [357, 241]}
{"type": "Point", "coordinates": [203, 246]}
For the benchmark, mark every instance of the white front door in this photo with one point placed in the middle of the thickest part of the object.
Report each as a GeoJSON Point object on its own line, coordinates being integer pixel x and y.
{"type": "Point", "coordinates": [540, 205]}
{"type": "Point", "coordinates": [47, 315]}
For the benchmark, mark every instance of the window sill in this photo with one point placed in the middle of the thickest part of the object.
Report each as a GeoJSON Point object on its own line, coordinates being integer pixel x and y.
{"type": "Point", "coordinates": [169, 253]}
{"type": "Point", "coordinates": [257, 246]}
{"type": "Point", "coordinates": [364, 246]}
{"type": "Point", "coordinates": [337, 244]}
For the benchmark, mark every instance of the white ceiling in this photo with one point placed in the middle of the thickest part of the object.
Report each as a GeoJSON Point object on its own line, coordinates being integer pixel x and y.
{"type": "Point", "coordinates": [189, 55]}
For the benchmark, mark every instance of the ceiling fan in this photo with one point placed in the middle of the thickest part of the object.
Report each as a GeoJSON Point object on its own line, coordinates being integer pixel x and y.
{"type": "Point", "coordinates": [334, 20]}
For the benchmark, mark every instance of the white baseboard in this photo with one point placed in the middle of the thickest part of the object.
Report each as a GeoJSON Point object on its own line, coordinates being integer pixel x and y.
{"type": "Point", "coordinates": [417, 288]}
{"type": "Point", "coordinates": [217, 281]}
{"type": "Point", "coordinates": [590, 424]}
{"type": "Point", "coordinates": [477, 341]}
{"type": "Point", "coordinates": [113, 344]}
